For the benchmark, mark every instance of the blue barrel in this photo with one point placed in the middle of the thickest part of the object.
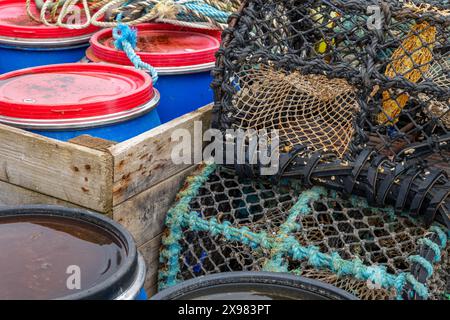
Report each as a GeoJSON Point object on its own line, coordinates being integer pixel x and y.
{"type": "Point", "coordinates": [183, 57]}
{"type": "Point", "coordinates": [26, 43]}
{"type": "Point", "coordinates": [51, 252]}
{"type": "Point", "coordinates": [68, 100]}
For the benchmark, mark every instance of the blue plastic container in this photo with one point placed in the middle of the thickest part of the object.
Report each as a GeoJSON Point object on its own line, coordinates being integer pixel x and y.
{"type": "Point", "coordinates": [65, 101]}
{"type": "Point", "coordinates": [25, 43]}
{"type": "Point", "coordinates": [121, 129]}
{"type": "Point", "coordinates": [184, 91]}
{"type": "Point", "coordinates": [15, 57]}
{"type": "Point", "coordinates": [183, 57]}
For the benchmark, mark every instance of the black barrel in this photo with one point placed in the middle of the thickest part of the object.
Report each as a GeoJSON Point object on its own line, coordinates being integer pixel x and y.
{"type": "Point", "coordinates": [253, 286]}
{"type": "Point", "coordinates": [40, 245]}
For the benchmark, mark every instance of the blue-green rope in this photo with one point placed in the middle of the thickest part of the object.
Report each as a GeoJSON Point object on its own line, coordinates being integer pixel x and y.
{"type": "Point", "coordinates": [433, 246]}
{"type": "Point", "coordinates": [125, 39]}
{"type": "Point", "coordinates": [174, 220]}
{"type": "Point", "coordinates": [301, 207]}
{"type": "Point", "coordinates": [207, 10]}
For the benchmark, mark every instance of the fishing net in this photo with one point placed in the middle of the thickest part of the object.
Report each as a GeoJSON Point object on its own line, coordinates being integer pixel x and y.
{"type": "Point", "coordinates": [307, 109]}
{"type": "Point", "coordinates": [358, 91]}
{"type": "Point", "coordinates": [223, 222]}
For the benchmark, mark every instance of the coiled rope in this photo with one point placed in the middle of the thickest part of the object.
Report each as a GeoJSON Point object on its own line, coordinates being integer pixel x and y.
{"type": "Point", "coordinates": [205, 14]}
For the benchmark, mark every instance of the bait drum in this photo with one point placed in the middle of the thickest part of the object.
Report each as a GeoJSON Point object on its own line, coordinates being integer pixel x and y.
{"type": "Point", "coordinates": [183, 58]}
{"type": "Point", "coordinates": [67, 100]}
{"type": "Point", "coordinates": [253, 286]}
{"type": "Point", "coordinates": [26, 43]}
{"type": "Point", "coordinates": [50, 252]}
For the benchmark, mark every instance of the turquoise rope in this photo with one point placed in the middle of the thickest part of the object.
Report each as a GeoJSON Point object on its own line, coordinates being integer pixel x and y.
{"type": "Point", "coordinates": [433, 246]}
{"type": "Point", "coordinates": [207, 10]}
{"type": "Point", "coordinates": [125, 39]}
{"type": "Point", "coordinates": [174, 220]}
{"type": "Point", "coordinates": [301, 207]}
{"type": "Point", "coordinates": [441, 234]}
{"type": "Point", "coordinates": [423, 262]}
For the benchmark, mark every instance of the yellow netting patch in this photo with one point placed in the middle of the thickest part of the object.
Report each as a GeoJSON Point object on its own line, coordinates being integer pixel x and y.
{"type": "Point", "coordinates": [411, 60]}
{"type": "Point", "coordinates": [309, 110]}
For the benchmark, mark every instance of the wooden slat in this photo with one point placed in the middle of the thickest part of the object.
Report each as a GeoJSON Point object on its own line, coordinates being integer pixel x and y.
{"type": "Point", "coordinates": [92, 142]}
{"type": "Point", "coordinates": [145, 160]}
{"type": "Point", "coordinates": [144, 214]}
{"type": "Point", "coordinates": [66, 171]}
{"type": "Point", "coordinates": [11, 195]}
{"type": "Point", "coordinates": [151, 291]}
{"type": "Point", "coordinates": [150, 252]}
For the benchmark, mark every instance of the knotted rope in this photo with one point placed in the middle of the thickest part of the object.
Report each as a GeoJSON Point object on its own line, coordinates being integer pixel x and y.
{"type": "Point", "coordinates": [206, 14]}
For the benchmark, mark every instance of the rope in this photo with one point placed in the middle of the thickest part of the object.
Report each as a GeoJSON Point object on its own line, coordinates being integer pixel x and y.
{"type": "Point", "coordinates": [126, 40]}
{"type": "Point", "coordinates": [205, 14]}
{"type": "Point", "coordinates": [29, 13]}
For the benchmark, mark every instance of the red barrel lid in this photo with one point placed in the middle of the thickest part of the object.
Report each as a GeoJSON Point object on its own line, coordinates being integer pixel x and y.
{"type": "Point", "coordinates": [73, 91]}
{"type": "Point", "coordinates": [15, 23]}
{"type": "Point", "coordinates": [160, 45]}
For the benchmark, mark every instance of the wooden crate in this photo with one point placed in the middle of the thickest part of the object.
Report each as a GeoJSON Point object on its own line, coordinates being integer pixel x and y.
{"type": "Point", "coordinates": [134, 182]}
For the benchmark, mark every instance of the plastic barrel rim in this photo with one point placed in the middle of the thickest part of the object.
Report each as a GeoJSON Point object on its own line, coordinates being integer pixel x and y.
{"type": "Point", "coordinates": [201, 285]}
{"type": "Point", "coordinates": [170, 49]}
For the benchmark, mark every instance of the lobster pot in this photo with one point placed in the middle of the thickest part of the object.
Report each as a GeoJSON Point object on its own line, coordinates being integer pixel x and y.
{"type": "Point", "coordinates": [300, 66]}
{"type": "Point", "coordinates": [183, 58]}
{"type": "Point", "coordinates": [26, 43]}
{"type": "Point", "coordinates": [50, 252]}
{"type": "Point", "coordinates": [64, 101]}
{"type": "Point", "coordinates": [224, 223]}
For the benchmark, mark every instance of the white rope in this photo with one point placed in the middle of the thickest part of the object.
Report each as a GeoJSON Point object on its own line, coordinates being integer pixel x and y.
{"type": "Point", "coordinates": [197, 25]}
{"type": "Point", "coordinates": [68, 7]}
{"type": "Point", "coordinates": [164, 11]}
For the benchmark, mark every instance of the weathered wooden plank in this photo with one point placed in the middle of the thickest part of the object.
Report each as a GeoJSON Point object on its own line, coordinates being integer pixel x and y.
{"type": "Point", "coordinates": [150, 252]}
{"type": "Point", "coordinates": [92, 142]}
{"type": "Point", "coordinates": [11, 195]}
{"type": "Point", "coordinates": [66, 171]}
{"type": "Point", "coordinates": [151, 291]}
{"type": "Point", "coordinates": [144, 214]}
{"type": "Point", "coordinates": [145, 160]}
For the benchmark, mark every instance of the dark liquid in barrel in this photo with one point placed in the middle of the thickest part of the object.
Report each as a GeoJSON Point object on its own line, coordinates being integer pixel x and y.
{"type": "Point", "coordinates": [38, 256]}
{"type": "Point", "coordinates": [251, 292]}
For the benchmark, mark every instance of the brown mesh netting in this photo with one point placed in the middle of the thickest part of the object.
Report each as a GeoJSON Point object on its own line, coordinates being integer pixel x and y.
{"type": "Point", "coordinates": [440, 109]}
{"type": "Point", "coordinates": [305, 109]}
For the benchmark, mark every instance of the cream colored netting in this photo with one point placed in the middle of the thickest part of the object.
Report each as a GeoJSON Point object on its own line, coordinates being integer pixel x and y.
{"type": "Point", "coordinates": [309, 110]}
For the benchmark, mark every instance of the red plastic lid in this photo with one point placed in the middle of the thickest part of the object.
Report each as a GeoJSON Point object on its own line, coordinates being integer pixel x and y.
{"type": "Point", "coordinates": [161, 45]}
{"type": "Point", "coordinates": [75, 90]}
{"type": "Point", "coordinates": [15, 23]}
